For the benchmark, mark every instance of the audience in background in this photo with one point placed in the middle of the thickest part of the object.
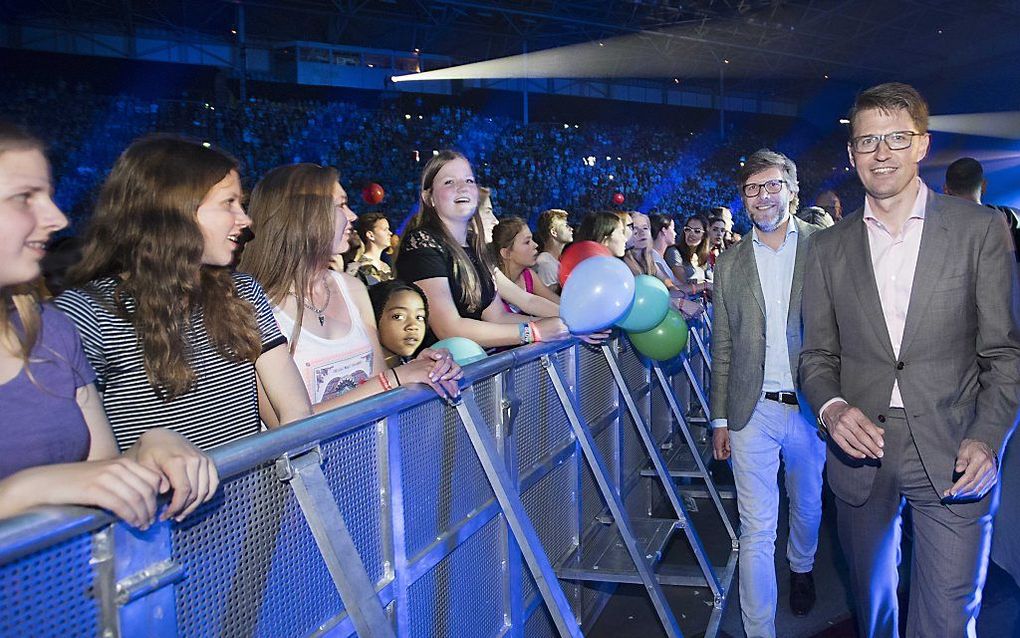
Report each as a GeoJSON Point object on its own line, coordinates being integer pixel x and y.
{"type": "Point", "coordinates": [553, 234]}
{"type": "Point", "coordinates": [694, 248]}
{"type": "Point", "coordinates": [604, 228]}
{"type": "Point", "coordinates": [515, 252]}
{"type": "Point", "coordinates": [299, 217]}
{"type": "Point", "coordinates": [828, 201]}
{"type": "Point", "coordinates": [373, 230]}
{"type": "Point", "coordinates": [965, 178]}
{"type": "Point", "coordinates": [816, 216]}
{"type": "Point", "coordinates": [485, 212]}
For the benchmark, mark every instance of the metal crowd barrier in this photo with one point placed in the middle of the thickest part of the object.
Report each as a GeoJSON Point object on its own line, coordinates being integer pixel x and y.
{"type": "Point", "coordinates": [399, 515]}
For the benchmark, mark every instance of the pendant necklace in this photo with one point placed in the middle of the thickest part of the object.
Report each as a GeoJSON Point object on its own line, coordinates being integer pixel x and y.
{"type": "Point", "coordinates": [319, 312]}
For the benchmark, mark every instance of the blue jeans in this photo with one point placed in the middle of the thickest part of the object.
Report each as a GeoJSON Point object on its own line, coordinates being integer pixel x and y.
{"type": "Point", "coordinates": [774, 429]}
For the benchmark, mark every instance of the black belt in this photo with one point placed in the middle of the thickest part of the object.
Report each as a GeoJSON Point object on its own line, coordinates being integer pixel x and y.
{"type": "Point", "coordinates": [789, 398]}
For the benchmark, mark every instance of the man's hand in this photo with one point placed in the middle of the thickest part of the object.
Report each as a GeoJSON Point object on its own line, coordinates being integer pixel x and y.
{"type": "Point", "coordinates": [721, 444]}
{"type": "Point", "coordinates": [853, 432]}
{"type": "Point", "coordinates": [978, 464]}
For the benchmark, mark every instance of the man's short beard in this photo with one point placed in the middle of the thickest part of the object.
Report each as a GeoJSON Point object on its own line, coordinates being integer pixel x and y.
{"type": "Point", "coordinates": [768, 228]}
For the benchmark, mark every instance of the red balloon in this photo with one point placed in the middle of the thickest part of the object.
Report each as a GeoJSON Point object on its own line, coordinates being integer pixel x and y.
{"type": "Point", "coordinates": [576, 253]}
{"type": "Point", "coordinates": [618, 198]}
{"type": "Point", "coordinates": [373, 194]}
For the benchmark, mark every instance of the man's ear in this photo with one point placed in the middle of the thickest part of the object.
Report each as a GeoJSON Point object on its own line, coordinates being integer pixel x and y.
{"type": "Point", "coordinates": [850, 154]}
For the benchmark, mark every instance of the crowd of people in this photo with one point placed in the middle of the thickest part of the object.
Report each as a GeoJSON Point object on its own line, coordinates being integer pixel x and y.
{"type": "Point", "coordinates": [671, 169]}
{"type": "Point", "coordinates": [195, 316]}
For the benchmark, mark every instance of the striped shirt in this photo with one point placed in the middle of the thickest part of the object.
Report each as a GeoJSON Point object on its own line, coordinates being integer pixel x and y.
{"type": "Point", "coordinates": [221, 406]}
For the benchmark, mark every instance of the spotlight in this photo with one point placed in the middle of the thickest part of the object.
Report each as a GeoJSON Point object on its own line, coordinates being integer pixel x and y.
{"type": "Point", "coordinates": [206, 144]}
{"type": "Point", "coordinates": [843, 120]}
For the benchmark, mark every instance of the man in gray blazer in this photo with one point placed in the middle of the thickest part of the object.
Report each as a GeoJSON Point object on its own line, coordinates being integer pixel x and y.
{"type": "Point", "coordinates": [755, 413]}
{"type": "Point", "coordinates": [912, 360]}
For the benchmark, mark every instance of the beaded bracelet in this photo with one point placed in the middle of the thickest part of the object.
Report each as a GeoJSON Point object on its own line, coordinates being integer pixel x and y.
{"type": "Point", "coordinates": [384, 382]}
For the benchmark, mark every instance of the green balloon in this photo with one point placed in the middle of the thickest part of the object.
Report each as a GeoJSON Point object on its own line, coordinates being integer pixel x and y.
{"type": "Point", "coordinates": [665, 340]}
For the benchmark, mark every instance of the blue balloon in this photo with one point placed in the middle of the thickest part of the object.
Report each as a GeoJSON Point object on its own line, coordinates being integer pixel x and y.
{"type": "Point", "coordinates": [599, 291]}
{"type": "Point", "coordinates": [462, 349]}
{"type": "Point", "coordinates": [651, 302]}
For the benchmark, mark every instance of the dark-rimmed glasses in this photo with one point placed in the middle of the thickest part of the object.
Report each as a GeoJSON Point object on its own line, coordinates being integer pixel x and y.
{"type": "Point", "coordinates": [896, 141]}
{"type": "Point", "coordinates": [772, 187]}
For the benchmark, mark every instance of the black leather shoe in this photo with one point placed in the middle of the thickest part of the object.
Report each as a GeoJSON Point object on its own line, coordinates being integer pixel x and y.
{"type": "Point", "coordinates": [802, 593]}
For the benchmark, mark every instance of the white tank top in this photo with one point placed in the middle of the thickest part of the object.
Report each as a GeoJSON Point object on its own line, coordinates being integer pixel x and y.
{"type": "Point", "coordinates": [331, 367]}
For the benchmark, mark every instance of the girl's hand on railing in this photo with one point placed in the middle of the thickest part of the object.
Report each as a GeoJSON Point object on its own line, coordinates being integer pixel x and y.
{"type": "Point", "coordinates": [596, 338]}
{"type": "Point", "coordinates": [689, 309]}
{"type": "Point", "coordinates": [552, 329]}
{"type": "Point", "coordinates": [419, 371]}
{"type": "Point", "coordinates": [121, 485]}
{"type": "Point", "coordinates": [185, 469]}
{"type": "Point", "coordinates": [444, 368]}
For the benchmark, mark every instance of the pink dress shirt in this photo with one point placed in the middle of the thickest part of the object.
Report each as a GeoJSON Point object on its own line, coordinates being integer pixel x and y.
{"type": "Point", "coordinates": [893, 259]}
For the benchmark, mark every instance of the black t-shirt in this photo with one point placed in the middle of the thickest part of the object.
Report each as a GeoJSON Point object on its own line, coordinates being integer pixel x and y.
{"type": "Point", "coordinates": [1013, 219]}
{"type": "Point", "coordinates": [423, 256]}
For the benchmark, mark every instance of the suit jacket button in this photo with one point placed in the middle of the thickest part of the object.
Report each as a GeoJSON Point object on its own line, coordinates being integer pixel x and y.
{"type": "Point", "coordinates": [899, 365]}
{"type": "Point", "coordinates": [881, 418]}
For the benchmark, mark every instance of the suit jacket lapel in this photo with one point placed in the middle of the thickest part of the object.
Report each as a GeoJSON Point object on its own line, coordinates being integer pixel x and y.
{"type": "Point", "coordinates": [931, 259]}
{"type": "Point", "coordinates": [750, 274]}
{"type": "Point", "coordinates": [858, 254]}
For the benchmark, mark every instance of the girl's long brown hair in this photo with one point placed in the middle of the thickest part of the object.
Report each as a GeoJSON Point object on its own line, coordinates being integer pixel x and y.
{"type": "Point", "coordinates": [21, 300]}
{"type": "Point", "coordinates": [701, 250]}
{"type": "Point", "coordinates": [503, 236]}
{"type": "Point", "coordinates": [145, 230]}
{"type": "Point", "coordinates": [293, 220]}
{"type": "Point", "coordinates": [428, 218]}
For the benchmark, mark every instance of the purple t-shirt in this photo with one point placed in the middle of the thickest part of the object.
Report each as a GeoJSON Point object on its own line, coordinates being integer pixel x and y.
{"type": "Point", "coordinates": [40, 421]}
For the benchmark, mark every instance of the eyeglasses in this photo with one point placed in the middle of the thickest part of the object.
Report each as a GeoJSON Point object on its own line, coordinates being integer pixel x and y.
{"type": "Point", "coordinates": [696, 231]}
{"type": "Point", "coordinates": [772, 187]}
{"type": "Point", "coordinates": [896, 141]}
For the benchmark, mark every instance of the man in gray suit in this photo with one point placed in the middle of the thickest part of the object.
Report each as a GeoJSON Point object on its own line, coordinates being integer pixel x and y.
{"type": "Point", "coordinates": [912, 359]}
{"type": "Point", "coordinates": [755, 413]}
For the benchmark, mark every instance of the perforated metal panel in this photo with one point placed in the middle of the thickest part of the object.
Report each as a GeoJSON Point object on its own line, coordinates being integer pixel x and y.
{"type": "Point", "coordinates": [461, 597]}
{"type": "Point", "coordinates": [661, 419]}
{"type": "Point", "coordinates": [596, 392]}
{"type": "Point", "coordinates": [541, 426]}
{"type": "Point", "coordinates": [252, 565]}
{"type": "Point", "coordinates": [49, 593]}
{"type": "Point", "coordinates": [540, 625]}
{"type": "Point", "coordinates": [633, 369]}
{"type": "Point", "coordinates": [351, 466]}
{"type": "Point", "coordinates": [487, 397]}
{"type": "Point", "coordinates": [442, 478]}
{"type": "Point", "coordinates": [550, 506]}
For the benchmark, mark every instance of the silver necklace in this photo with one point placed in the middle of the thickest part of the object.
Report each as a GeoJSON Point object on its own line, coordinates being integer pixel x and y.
{"type": "Point", "coordinates": [319, 312]}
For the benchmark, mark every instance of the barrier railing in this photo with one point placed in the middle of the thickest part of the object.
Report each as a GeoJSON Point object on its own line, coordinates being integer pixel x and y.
{"type": "Point", "coordinates": [398, 515]}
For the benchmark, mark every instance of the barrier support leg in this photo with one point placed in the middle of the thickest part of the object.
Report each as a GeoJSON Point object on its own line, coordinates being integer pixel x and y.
{"type": "Point", "coordinates": [681, 423]}
{"type": "Point", "coordinates": [616, 508]}
{"type": "Point", "coordinates": [662, 472]}
{"type": "Point", "coordinates": [516, 518]}
{"type": "Point", "coordinates": [321, 512]}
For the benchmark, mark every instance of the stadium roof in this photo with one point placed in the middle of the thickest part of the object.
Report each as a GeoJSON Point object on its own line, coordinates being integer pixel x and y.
{"type": "Point", "coordinates": [858, 41]}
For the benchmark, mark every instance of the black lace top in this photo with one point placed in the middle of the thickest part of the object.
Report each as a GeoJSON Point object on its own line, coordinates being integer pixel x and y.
{"type": "Point", "coordinates": [423, 256]}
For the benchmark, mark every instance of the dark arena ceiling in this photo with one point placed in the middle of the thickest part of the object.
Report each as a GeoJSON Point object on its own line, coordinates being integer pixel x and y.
{"type": "Point", "coordinates": [857, 41]}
